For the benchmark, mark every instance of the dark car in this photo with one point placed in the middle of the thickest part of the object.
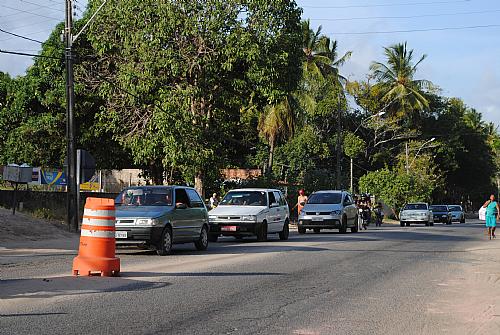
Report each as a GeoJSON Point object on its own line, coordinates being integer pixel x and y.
{"type": "Point", "coordinates": [158, 216]}
{"type": "Point", "coordinates": [441, 213]}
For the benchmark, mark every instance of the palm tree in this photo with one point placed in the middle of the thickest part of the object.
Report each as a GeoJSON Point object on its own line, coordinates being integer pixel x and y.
{"type": "Point", "coordinates": [321, 54]}
{"type": "Point", "coordinates": [397, 83]}
{"type": "Point", "coordinates": [278, 121]}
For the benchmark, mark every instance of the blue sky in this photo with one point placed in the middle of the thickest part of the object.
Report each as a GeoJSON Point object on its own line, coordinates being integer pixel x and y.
{"type": "Point", "coordinates": [464, 63]}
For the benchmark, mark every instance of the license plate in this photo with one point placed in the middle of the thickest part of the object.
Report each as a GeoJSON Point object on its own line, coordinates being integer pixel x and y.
{"type": "Point", "coordinates": [317, 218]}
{"type": "Point", "coordinates": [120, 234]}
{"type": "Point", "coordinates": [228, 228]}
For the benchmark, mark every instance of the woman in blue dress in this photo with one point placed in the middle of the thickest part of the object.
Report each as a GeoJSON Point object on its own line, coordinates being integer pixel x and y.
{"type": "Point", "coordinates": [492, 213]}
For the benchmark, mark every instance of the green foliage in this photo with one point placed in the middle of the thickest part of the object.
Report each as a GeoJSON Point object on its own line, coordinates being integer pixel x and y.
{"type": "Point", "coordinates": [353, 145]}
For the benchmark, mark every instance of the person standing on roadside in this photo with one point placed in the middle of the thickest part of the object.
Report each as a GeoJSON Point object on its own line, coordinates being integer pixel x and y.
{"type": "Point", "coordinates": [492, 213]}
{"type": "Point", "coordinates": [301, 202]}
{"type": "Point", "coordinates": [214, 201]}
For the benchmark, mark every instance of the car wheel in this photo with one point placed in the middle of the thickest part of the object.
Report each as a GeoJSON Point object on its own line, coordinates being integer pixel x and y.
{"type": "Point", "coordinates": [165, 246]}
{"type": "Point", "coordinates": [285, 232]}
{"type": "Point", "coordinates": [343, 225]}
{"type": "Point", "coordinates": [402, 223]}
{"type": "Point", "coordinates": [213, 237]}
{"type": "Point", "coordinates": [354, 229]}
{"type": "Point", "coordinates": [431, 223]}
{"type": "Point", "coordinates": [301, 230]}
{"type": "Point", "coordinates": [262, 232]}
{"type": "Point", "coordinates": [462, 220]}
{"type": "Point", "coordinates": [448, 222]}
{"type": "Point", "coordinates": [407, 224]}
{"type": "Point", "coordinates": [202, 242]}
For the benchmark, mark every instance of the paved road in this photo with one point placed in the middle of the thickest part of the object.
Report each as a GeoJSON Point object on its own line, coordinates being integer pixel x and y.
{"type": "Point", "coordinates": [392, 280]}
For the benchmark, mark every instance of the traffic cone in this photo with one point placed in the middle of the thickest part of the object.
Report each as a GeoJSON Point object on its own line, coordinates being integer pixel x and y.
{"type": "Point", "coordinates": [96, 254]}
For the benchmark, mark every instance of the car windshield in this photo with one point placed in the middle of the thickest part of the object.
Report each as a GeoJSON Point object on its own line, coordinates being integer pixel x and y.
{"type": "Point", "coordinates": [245, 198]}
{"type": "Point", "coordinates": [417, 207]}
{"type": "Point", "coordinates": [145, 196]}
{"type": "Point", "coordinates": [439, 208]}
{"type": "Point", "coordinates": [455, 208]}
{"type": "Point", "coordinates": [325, 198]}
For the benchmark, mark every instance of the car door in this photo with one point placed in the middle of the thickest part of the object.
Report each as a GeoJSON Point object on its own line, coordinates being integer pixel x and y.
{"type": "Point", "coordinates": [182, 216]}
{"type": "Point", "coordinates": [349, 208]}
{"type": "Point", "coordinates": [281, 213]}
{"type": "Point", "coordinates": [273, 213]}
{"type": "Point", "coordinates": [199, 212]}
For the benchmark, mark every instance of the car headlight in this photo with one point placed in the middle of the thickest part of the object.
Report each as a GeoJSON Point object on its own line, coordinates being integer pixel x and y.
{"type": "Point", "coordinates": [336, 212]}
{"type": "Point", "coordinates": [248, 218]}
{"type": "Point", "coordinates": [148, 222]}
{"type": "Point", "coordinates": [212, 217]}
{"type": "Point", "coordinates": [423, 214]}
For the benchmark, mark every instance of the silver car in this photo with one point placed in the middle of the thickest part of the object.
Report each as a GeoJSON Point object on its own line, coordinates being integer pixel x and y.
{"type": "Point", "coordinates": [329, 210]}
{"type": "Point", "coordinates": [457, 213]}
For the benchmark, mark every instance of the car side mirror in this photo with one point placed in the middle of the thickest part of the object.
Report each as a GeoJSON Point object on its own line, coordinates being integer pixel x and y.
{"type": "Point", "coordinates": [181, 206]}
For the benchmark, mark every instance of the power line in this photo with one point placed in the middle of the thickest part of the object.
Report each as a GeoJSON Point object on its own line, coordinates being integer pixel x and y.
{"type": "Point", "coordinates": [28, 12]}
{"type": "Point", "coordinates": [415, 30]}
{"type": "Point", "coordinates": [42, 6]}
{"type": "Point", "coordinates": [27, 54]}
{"type": "Point", "coordinates": [389, 4]}
{"type": "Point", "coordinates": [20, 36]}
{"type": "Point", "coordinates": [408, 16]}
{"type": "Point", "coordinates": [32, 33]}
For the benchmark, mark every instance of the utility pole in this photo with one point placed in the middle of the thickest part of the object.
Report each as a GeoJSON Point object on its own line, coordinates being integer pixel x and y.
{"type": "Point", "coordinates": [71, 200]}
{"type": "Point", "coordinates": [407, 158]}
{"type": "Point", "coordinates": [339, 139]}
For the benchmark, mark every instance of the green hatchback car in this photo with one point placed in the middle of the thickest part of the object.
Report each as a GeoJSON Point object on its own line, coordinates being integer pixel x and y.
{"type": "Point", "coordinates": [156, 217]}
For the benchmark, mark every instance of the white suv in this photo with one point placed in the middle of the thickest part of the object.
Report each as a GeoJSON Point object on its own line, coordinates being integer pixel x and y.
{"type": "Point", "coordinates": [250, 212]}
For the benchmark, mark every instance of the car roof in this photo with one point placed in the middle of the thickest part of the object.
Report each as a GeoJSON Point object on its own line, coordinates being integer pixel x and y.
{"type": "Point", "coordinates": [417, 203]}
{"type": "Point", "coordinates": [255, 190]}
{"type": "Point", "coordinates": [330, 191]}
{"type": "Point", "coordinates": [157, 186]}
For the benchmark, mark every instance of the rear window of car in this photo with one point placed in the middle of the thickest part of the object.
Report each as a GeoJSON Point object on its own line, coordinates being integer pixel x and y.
{"type": "Point", "coordinates": [325, 198]}
{"type": "Point", "coordinates": [439, 208]}
{"type": "Point", "coordinates": [455, 208]}
{"type": "Point", "coordinates": [413, 207]}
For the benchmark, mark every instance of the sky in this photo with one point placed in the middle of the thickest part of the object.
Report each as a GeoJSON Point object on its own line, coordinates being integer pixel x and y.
{"type": "Point", "coordinates": [464, 63]}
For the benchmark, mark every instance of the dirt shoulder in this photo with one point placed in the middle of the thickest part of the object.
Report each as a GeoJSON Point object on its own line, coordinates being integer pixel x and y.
{"type": "Point", "coordinates": [22, 227]}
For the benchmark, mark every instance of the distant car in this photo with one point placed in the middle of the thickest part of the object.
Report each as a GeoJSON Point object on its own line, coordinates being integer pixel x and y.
{"type": "Point", "coordinates": [441, 213]}
{"type": "Point", "coordinates": [457, 213]}
{"type": "Point", "coordinates": [329, 210]}
{"type": "Point", "coordinates": [250, 212]}
{"type": "Point", "coordinates": [416, 213]}
{"type": "Point", "coordinates": [157, 217]}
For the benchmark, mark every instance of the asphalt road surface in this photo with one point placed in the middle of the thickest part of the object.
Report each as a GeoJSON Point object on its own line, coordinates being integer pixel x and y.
{"type": "Point", "coordinates": [389, 280]}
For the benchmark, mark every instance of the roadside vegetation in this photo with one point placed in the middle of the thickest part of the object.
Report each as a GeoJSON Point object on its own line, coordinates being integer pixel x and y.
{"type": "Point", "coordinates": [182, 90]}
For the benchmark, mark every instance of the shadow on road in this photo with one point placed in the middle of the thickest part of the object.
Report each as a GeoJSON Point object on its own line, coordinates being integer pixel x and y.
{"type": "Point", "coordinates": [29, 314]}
{"type": "Point", "coordinates": [200, 274]}
{"type": "Point", "coordinates": [66, 286]}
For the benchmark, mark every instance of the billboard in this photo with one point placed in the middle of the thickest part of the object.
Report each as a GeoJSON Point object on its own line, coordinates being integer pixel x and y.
{"type": "Point", "coordinates": [53, 177]}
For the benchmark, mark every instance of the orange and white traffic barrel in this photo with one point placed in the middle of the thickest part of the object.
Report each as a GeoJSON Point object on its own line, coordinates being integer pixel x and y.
{"type": "Point", "coordinates": [96, 254]}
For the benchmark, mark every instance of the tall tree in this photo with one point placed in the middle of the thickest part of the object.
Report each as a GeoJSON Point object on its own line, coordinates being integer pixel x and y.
{"type": "Point", "coordinates": [179, 72]}
{"type": "Point", "coordinates": [397, 80]}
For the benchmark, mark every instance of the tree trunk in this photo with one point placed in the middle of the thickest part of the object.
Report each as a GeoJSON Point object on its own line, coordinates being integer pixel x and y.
{"type": "Point", "coordinates": [157, 174]}
{"type": "Point", "coordinates": [198, 183]}
{"type": "Point", "coordinates": [271, 158]}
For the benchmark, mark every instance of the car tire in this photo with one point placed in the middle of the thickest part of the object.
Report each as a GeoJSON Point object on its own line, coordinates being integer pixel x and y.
{"type": "Point", "coordinates": [449, 222]}
{"type": "Point", "coordinates": [354, 229]}
{"type": "Point", "coordinates": [343, 225]}
{"type": "Point", "coordinates": [262, 232]}
{"type": "Point", "coordinates": [462, 220]}
{"type": "Point", "coordinates": [431, 224]}
{"type": "Point", "coordinates": [301, 230]}
{"type": "Point", "coordinates": [213, 237]}
{"type": "Point", "coordinates": [165, 245]}
{"type": "Point", "coordinates": [402, 223]}
{"type": "Point", "coordinates": [285, 232]}
{"type": "Point", "coordinates": [407, 224]}
{"type": "Point", "coordinates": [202, 242]}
